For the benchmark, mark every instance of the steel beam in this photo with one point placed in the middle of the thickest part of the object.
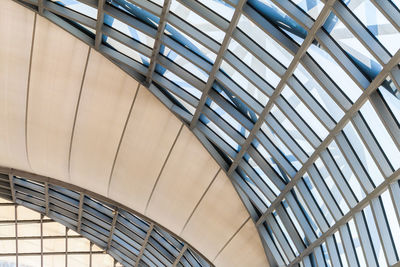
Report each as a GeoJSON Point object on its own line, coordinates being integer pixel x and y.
{"type": "Point", "coordinates": [178, 258]}
{"type": "Point", "coordinates": [80, 211]}
{"type": "Point", "coordinates": [360, 206]}
{"type": "Point", "coordinates": [114, 221]}
{"type": "Point", "coordinates": [143, 248]}
{"type": "Point", "coordinates": [288, 73]}
{"type": "Point", "coordinates": [218, 61]}
{"type": "Point", "coordinates": [99, 23]}
{"type": "Point", "coordinates": [332, 134]}
{"type": "Point", "coordinates": [157, 43]}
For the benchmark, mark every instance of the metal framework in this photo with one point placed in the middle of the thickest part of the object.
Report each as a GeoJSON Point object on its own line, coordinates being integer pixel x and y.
{"type": "Point", "coordinates": [130, 239]}
{"type": "Point", "coordinates": [298, 101]}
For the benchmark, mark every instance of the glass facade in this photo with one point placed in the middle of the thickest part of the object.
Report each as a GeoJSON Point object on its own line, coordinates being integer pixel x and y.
{"type": "Point", "coordinates": [43, 224]}
{"type": "Point", "coordinates": [297, 100]}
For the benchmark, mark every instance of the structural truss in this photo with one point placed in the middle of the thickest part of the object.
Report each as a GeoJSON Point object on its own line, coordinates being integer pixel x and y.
{"type": "Point", "coordinates": [130, 239]}
{"type": "Point", "coordinates": [297, 100]}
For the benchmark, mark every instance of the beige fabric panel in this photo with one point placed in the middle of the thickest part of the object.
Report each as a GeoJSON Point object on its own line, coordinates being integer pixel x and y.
{"type": "Point", "coordinates": [106, 99]}
{"type": "Point", "coordinates": [245, 249]}
{"type": "Point", "coordinates": [58, 64]}
{"type": "Point", "coordinates": [148, 138]}
{"type": "Point", "coordinates": [187, 174]}
{"type": "Point", "coordinates": [16, 28]}
{"type": "Point", "coordinates": [217, 218]}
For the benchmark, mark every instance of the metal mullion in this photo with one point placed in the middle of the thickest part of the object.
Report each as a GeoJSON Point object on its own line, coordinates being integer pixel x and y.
{"type": "Point", "coordinates": [394, 190]}
{"type": "Point", "coordinates": [333, 252]}
{"type": "Point", "coordinates": [115, 241]}
{"type": "Point", "coordinates": [363, 234]}
{"type": "Point", "coordinates": [276, 154]}
{"type": "Point", "coordinates": [248, 73]}
{"type": "Point", "coordinates": [257, 180]}
{"type": "Point", "coordinates": [313, 206]}
{"type": "Point", "coordinates": [271, 30]}
{"type": "Point", "coordinates": [132, 240]}
{"type": "Point", "coordinates": [124, 59]}
{"type": "Point", "coordinates": [122, 225]}
{"type": "Point", "coordinates": [92, 3]}
{"type": "Point", "coordinates": [144, 244]}
{"type": "Point", "coordinates": [354, 162]}
{"type": "Point", "coordinates": [12, 189]}
{"type": "Point", "coordinates": [181, 73]}
{"type": "Point", "coordinates": [300, 124]}
{"type": "Point", "coordinates": [252, 196]}
{"type": "Point", "coordinates": [126, 252]}
{"type": "Point", "coordinates": [170, 249]}
{"type": "Point", "coordinates": [223, 125]}
{"type": "Point", "coordinates": [342, 59]}
{"type": "Point", "coordinates": [178, 258]}
{"type": "Point", "coordinates": [161, 251]}
{"type": "Point", "coordinates": [389, 11]}
{"type": "Point", "coordinates": [95, 227]}
{"type": "Point", "coordinates": [290, 228]}
{"type": "Point", "coordinates": [56, 215]}
{"type": "Point", "coordinates": [304, 223]}
{"type": "Point", "coordinates": [213, 75]}
{"type": "Point", "coordinates": [126, 40]}
{"type": "Point", "coordinates": [295, 13]}
{"type": "Point", "coordinates": [110, 237]}
{"type": "Point", "coordinates": [157, 42]}
{"type": "Point", "coordinates": [384, 231]}
{"type": "Point", "coordinates": [231, 109]}
{"type": "Point", "coordinates": [363, 35]}
{"type": "Point", "coordinates": [387, 117]}
{"type": "Point", "coordinates": [313, 105]}
{"type": "Point", "coordinates": [28, 191]}
{"type": "Point", "coordinates": [257, 51]}
{"type": "Point", "coordinates": [29, 185]}
{"type": "Point", "coordinates": [80, 210]}
{"type": "Point", "coordinates": [175, 89]}
{"type": "Point", "coordinates": [46, 197]}
{"type": "Point", "coordinates": [338, 178]}
{"type": "Point", "coordinates": [130, 20]}
{"type": "Point", "coordinates": [286, 138]}
{"type": "Point", "coordinates": [193, 32]}
{"type": "Point", "coordinates": [326, 82]}
{"type": "Point", "coordinates": [265, 236]}
{"type": "Point", "coordinates": [69, 14]}
{"type": "Point", "coordinates": [156, 256]}
{"type": "Point", "coordinates": [134, 220]}
{"type": "Point", "coordinates": [216, 139]}
{"type": "Point", "coordinates": [372, 145]}
{"type": "Point", "coordinates": [21, 197]}
{"type": "Point", "coordinates": [266, 168]}
{"type": "Point", "coordinates": [275, 228]}
{"type": "Point", "coordinates": [148, 6]}
{"type": "Point", "coordinates": [99, 23]}
{"type": "Point", "coordinates": [348, 245]}
{"type": "Point", "coordinates": [187, 53]}
{"type": "Point", "coordinates": [206, 14]}
{"type": "Point", "coordinates": [353, 213]}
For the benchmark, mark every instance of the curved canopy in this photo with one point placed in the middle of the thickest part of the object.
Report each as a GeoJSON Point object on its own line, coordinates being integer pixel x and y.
{"type": "Point", "coordinates": [70, 114]}
{"type": "Point", "coordinates": [297, 101]}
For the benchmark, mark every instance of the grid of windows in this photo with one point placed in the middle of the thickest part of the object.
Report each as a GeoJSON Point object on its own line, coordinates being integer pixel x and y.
{"type": "Point", "coordinates": [42, 224]}
{"type": "Point", "coordinates": [297, 100]}
{"type": "Point", "coordinates": [29, 239]}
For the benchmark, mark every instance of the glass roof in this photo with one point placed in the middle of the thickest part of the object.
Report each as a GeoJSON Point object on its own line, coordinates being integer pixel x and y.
{"type": "Point", "coordinates": [29, 239]}
{"type": "Point", "coordinates": [45, 223]}
{"type": "Point", "coordinates": [297, 100]}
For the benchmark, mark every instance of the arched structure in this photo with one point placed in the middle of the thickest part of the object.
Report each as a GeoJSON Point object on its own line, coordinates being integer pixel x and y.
{"type": "Point", "coordinates": [72, 115]}
{"type": "Point", "coordinates": [296, 101]}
